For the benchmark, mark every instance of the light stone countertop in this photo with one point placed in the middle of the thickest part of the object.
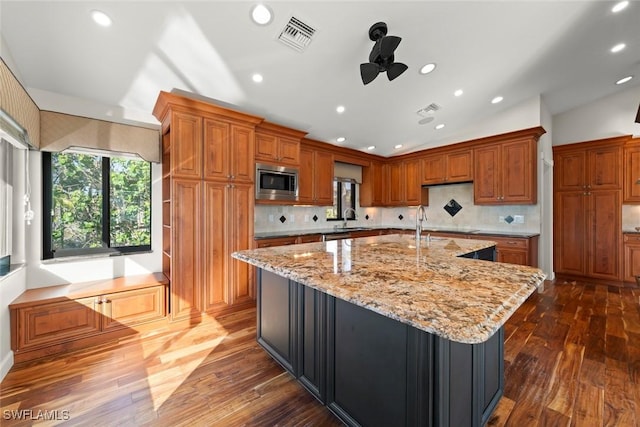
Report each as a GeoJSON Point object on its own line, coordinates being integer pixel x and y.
{"type": "Point", "coordinates": [429, 287]}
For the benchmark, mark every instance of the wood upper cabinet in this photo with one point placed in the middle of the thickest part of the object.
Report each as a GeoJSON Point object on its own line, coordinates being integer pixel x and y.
{"type": "Point", "coordinates": [277, 144]}
{"type": "Point", "coordinates": [447, 167]}
{"type": "Point", "coordinates": [505, 173]}
{"type": "Point", "coordinates": [315, 177]}
{"type": "Point", "coordinates": [597, 166]}
{"type": "Point", "coordinates": [228, 151]}
{"type": "Point", "coordinates": [403, 183]}
{"type": "Point", "coordinates": [631, 185]}
{"type": "Point", "coordinates": [186, 144]}
{"type": "Point", "coordinates": [373, 187]}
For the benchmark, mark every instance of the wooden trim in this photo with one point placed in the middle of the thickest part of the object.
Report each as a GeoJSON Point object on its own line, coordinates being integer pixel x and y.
{"type": "Point", "coordinates": [279, 130]}
{"type": "Point", "coordinates": [596, 143]}
{"type": "Point", "coordinates": [167, 102]}
{"type": "Point", "coordinates": [344, 154]}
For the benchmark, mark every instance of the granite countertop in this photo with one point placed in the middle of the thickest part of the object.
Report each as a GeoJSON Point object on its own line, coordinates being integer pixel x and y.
{"type": "Point", "coordinates": [459, 299]}
{"type": "Point", "coordinates": [292, 233]}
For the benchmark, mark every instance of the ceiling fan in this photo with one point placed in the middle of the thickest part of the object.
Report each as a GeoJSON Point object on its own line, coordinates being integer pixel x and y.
{"type": "Point", "coordinates": [381, 56]}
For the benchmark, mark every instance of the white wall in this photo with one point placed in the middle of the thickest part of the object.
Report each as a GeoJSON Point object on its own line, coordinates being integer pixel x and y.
{"type": "Point", "coordinates": [607, 117]}
{"type": "Point", "coordinates": [545, 194]}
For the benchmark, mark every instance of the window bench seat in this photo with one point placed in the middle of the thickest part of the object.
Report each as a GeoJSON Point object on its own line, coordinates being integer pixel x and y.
{"type": "Point", "coordinates": [57, 319]}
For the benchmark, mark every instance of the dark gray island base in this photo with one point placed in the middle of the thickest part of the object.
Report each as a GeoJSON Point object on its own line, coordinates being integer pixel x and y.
{"type": "Point", "coordinates": [372, 370]}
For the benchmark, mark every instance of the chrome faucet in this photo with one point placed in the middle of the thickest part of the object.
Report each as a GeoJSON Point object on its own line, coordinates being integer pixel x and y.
{"type": "Point", "coordinates": [344, 216]}
{"type": "Point", "coordinates": [421, 215]}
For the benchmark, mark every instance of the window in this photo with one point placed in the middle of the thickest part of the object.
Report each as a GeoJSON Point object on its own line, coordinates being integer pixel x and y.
{"type": "Point", "coordinates": [95, 204]}
{"type": "Point", "coordinates": [344, 196]}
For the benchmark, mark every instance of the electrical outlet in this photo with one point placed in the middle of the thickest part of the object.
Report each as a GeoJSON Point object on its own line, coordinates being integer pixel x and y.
{"type": "Point", "coordinates": [270, 217]}
{"type": "Point", "coordinates": [518, 219]}
{"type": "Point", "coordinates": [292, 218]}
{"type": "Point", "coordinates": [501, 218]}
{"type": "Point", "coordinates": [306, 218]}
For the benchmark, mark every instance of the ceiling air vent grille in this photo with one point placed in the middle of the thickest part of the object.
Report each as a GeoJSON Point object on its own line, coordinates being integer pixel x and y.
{"type": "Point", "coordinates": [296, 34]}
{"type": "Point", "coordinates": [426, 114]}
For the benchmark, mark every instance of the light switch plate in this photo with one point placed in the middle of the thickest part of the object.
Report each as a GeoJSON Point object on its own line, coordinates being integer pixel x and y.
{"type": "Point", "coordinates": [518, 219]}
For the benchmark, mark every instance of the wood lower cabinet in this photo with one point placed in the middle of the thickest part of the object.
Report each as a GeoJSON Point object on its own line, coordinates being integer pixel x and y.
{"type": "Point", "coordinates": [56, 319]}
{"type": "Point", "coordinates": [315, 177]}
{"type": "Point", "coordinates": [587, 233]}
{"type": "Point", "coordinates": [631, 257]}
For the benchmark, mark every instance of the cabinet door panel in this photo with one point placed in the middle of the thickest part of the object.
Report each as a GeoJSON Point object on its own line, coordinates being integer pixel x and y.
{"type": "Point", "coordinates": [433, 169]}
{"type": "Point", "coordinates": [216, 233]}
{"type": "Point", "coordinates": [323, 179]}
{"type": "Point", "coordinates": [58, 322]}
{"type": "Point", "coordinates": [305, 177]}
{"type": "Point", "coordinates": [459, 167]}
{"type": "Point", "coordinates": [486, 175]}
{"type": "Point", "coordinates": [632, 174]}
{"type": "Point", "coordinates": [240, 211]}
{"type": "Point", "coordinates": [570, 171]}
{"type": "Point", "coordinates": [412, 182]}
{"type": "Point", "coordinates": [605, 170]}
{"type": "Point", "coordinates": [569, 232]}
{"type": "Point", "coordinates": [289, 150]}
{"type": "Point", "coordinates": [186, 135]}
{"type": "Point", "coordinates": [395, 195]}
{"type": "Point", "coordinates": [604, 234]}
{"type": "Point", "coordinates": [186, 228]}
{"type": "Point", "coordinates": [216, 150]}
{"type": "Point", "coordinates": [631, 262]}
{"type": "Point", "coordinates": [266, 147]}
{"type": "Point", "coordinates": [242, 159]}
{"type": "Point", "coordinates": [124, 309]}
{"type": "Point", "coordinates": [518, 184]}
{"type": "Point", "coordinates": [511, 256]}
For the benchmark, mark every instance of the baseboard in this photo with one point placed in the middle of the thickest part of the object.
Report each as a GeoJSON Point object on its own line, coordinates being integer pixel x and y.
{"type": "Point", "coordinates": [5, 366]}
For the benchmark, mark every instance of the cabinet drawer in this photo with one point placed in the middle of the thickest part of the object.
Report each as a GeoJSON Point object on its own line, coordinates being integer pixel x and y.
{"type": "Point", "coordinates": [47, 324]}
{"type": "Point", "coordinates": [632, 238]}
{"type": "Point", "coordinates": [130, 308]}
{"type": "Point", "coordinates": [512, 243]}
{"type": "Point", "coordinates": [280, 241]}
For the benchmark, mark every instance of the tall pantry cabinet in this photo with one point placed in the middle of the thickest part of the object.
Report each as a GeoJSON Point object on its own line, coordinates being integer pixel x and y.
{"type": "Point", "coordinates": [588, 209]}
{"type": "Point", "coordinates": [207, 206]}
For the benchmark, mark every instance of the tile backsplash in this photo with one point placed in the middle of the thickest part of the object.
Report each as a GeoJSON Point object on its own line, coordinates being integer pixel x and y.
{"type": "Point", "coordinates": [526, 218]}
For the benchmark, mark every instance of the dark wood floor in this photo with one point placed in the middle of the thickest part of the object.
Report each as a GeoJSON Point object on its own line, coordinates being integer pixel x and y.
{"type": "Point", "coordinates": [572, 358]}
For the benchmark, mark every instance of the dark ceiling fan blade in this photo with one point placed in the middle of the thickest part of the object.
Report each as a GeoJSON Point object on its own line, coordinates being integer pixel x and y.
{"type": "Point", "coordinates": [369, 71]}
{"type": "Point", "coordinates": [388, 45]}
{"type": "Point", "coordinates": [395, 70]}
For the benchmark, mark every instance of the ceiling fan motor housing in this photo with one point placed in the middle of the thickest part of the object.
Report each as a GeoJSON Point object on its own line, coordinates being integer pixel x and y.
{"type": "Point", "coordinates": [381, 58]}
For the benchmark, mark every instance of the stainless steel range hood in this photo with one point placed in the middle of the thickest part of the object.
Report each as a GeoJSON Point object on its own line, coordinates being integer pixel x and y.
{"type": "Point", "coordinates": [12, 132]}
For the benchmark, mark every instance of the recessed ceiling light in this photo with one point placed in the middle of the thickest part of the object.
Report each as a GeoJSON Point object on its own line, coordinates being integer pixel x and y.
{"type": "Point", "coordinates": [371, 147]}
{"type": "Point", "coordinates": [261, 14]}
{"type": "Point", "coordinates": [340, 109]}
{"type": "Point", "coordinates": [101, 18]}
{"type": "Point", "coordinates": [426, 69]}
{"type": "Point", "coordinates": [398, 146]}
{"type": "Point", "coordinates": [624, 80]}
{"type": "Point", "coordinates": [341, 139]}
{"type": "Point", "coordinates": [257, 78]}
{"type": "Point", "coordinates": [618, 47]}
{"type": "Point", "coordinates": [458, 92]}
{"type": "Point", "coordinates": [497, 99]}
{"type": "Point", "coordinates": [440, 126]}
{"type": "Point", "coordinates": [619, 6]}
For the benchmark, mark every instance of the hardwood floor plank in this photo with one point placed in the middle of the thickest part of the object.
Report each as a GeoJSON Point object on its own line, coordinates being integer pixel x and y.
{"type": "Point", "coordinates": [572, 357]}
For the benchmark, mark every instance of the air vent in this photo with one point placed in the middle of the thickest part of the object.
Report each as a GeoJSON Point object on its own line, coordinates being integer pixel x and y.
{"type": "Point", "coordinates": [296, 34]}
{"type": "Point", "coordinates": [428, 110]}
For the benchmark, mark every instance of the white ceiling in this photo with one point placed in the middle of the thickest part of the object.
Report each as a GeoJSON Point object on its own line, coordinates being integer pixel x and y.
{"type": "Point", "coordinates": [558, 50]}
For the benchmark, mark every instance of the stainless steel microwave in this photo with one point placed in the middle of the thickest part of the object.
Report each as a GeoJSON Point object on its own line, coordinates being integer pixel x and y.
{"type": "Point", "coordinates": [276, 182]}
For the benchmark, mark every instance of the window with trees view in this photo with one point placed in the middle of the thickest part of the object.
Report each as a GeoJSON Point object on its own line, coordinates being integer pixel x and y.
{"type": "Point", "coordinates": [95, 204]}
{"type": "Point", "coordinates": [344, 196]}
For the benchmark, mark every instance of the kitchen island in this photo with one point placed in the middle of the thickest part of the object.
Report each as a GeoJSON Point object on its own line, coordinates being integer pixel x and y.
{"type": "Point", "coordinates": [387, 332]}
